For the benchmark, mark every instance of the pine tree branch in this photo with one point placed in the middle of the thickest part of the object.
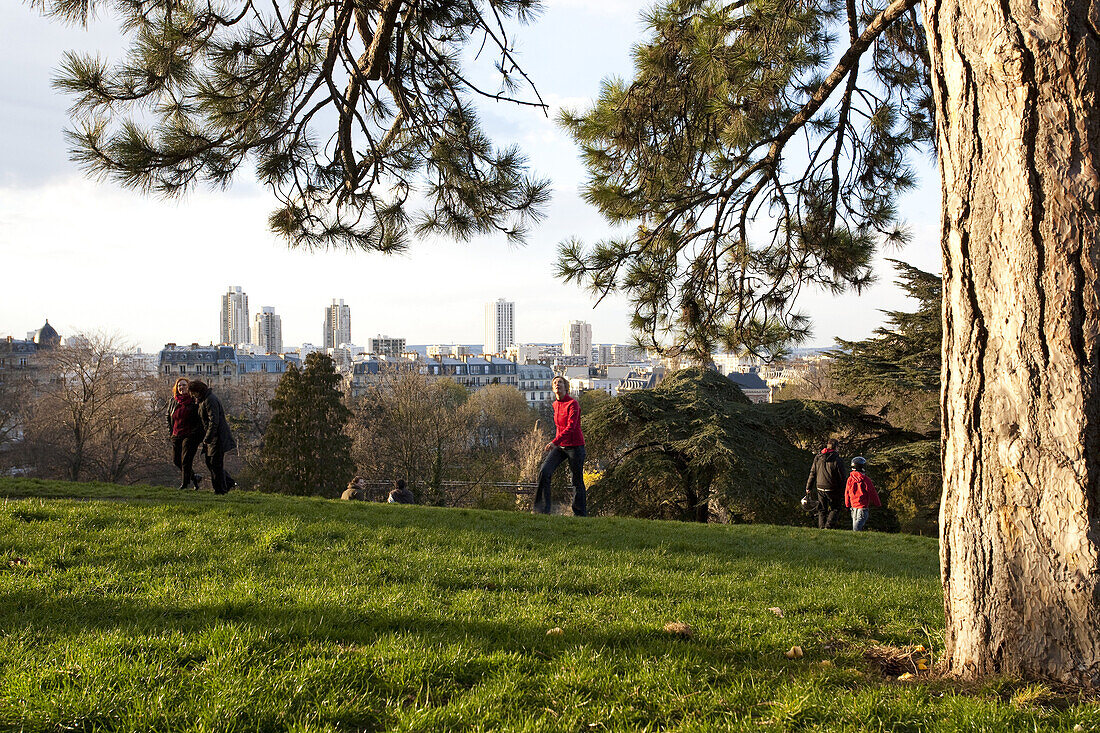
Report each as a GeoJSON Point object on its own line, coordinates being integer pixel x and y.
{"type": "Point", "coordinates": [847, 64]}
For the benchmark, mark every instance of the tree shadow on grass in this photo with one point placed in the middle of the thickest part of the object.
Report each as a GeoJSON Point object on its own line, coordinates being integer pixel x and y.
{"type": "Point", "coordinates": [898, 556]}
{"type": "Point", "coordinates": [675, 543]}
{"type": "Point", "coordinates": [49, 620]}
{"type": "Point", "coordinates": [681, 544]}
{"type": "Point", "coordinates": [391, 657]}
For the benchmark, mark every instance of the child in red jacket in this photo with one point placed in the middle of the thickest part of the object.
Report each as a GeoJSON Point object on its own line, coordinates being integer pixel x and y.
{"type": "Point", "coordinates": [860, 494]}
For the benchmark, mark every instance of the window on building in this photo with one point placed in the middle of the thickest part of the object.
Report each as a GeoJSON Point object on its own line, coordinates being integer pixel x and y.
{"type": "Point", "coordinates": [183, 368]}
{"type": "Point", "coordinates": [209, 368]}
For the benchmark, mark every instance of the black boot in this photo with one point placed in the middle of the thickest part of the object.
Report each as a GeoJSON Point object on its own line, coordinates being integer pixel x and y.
{"type": "Point", "coordinates": [196, 479]}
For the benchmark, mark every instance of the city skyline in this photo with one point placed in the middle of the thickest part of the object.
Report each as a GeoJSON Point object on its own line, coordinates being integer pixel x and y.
{"type": "Point", "coordinates": [74, 235]}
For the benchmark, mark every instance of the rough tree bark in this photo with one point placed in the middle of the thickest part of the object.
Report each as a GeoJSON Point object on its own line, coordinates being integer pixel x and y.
{"type": "Point", "coordinates": [1016, 88]}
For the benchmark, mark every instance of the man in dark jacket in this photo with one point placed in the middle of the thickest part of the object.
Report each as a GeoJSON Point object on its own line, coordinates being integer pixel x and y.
{"type": "Point", "coordinates": [828, 476]}
{"type": "Point", "coordinates": [400, 495]}
{"type": "Point", "coordinates": [216, 438]}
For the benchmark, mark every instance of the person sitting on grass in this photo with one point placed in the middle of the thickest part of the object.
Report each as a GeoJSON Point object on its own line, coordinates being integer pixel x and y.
{"type": "Point", "coordinates": [401, 495]}
{"type": "Point", "coordinates": [860, 494]}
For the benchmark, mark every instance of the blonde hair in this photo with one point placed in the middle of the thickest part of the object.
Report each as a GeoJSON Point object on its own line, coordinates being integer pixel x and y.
{"type": "Point", "coordinates": [176, 386]}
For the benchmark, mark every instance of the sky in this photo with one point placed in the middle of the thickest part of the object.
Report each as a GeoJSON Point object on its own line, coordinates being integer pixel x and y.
{"type": "Point", "coordinates": [93, 257]}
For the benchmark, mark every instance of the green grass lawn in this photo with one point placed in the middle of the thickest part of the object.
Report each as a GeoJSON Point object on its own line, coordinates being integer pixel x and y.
{"type": "Point", "coordinates": [140, 608]}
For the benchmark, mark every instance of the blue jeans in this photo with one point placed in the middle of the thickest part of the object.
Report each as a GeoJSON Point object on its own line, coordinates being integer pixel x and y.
{"type": "Point", "coordinates": [859, 518]}
{"type": "Point", "coordinates": [554, 458]}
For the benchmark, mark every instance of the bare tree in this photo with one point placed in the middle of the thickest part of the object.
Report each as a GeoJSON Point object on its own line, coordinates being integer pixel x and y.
{"type": "Point", "coordinates": [499, 416]}
{"type": "Point", "coordinates": [409, 426]}
{"type": "Point", "coordinates": [248, 409]}
{"type": "Point", "coordinates": [98, 415]}
{"type": "Point", "coordinates": [15, 393]}
{"type": "Point", "coordinates": [128, 440]}
{"type": "Point", "coordinates": [531, 448]}
{"type": "Point", "coordinates": [498, 421]}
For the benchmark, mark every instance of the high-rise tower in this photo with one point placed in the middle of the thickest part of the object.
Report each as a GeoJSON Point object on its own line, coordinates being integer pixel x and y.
{"type": "Point", "coordinates": [337, 324]}
{"type": "Point", "coordinates": [500, 329]}
{"type": "Point", "coordinates": [268, 331]}
{"type": "Point", "coordinates": [234, 322]}
{"type": "Point", "coordinates": [576, 340]}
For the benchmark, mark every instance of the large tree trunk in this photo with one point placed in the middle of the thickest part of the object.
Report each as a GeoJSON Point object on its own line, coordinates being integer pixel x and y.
{"type": "Point", "coordinates": [1019, 141]}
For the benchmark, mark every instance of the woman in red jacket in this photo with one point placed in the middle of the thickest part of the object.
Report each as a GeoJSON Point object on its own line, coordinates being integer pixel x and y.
{"type": "Point", "coordinates": [860, 494]}
{"type": "Point", "coordinates": [568, 444]}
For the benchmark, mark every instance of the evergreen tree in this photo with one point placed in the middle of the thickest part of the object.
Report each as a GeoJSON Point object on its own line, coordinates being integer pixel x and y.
{"type": "Point", "coordinates": [898, 371]}
{"type": "Point", "coordinates": [900, 363]}
{"type": "Point", "coordinates": [349, 109]}
{"type": "Point", "coordinates": [306, 450]}
{"type": "Point", "coordinates": [738, 183]}
{"type": "Point", "coordinates": [695, 448]}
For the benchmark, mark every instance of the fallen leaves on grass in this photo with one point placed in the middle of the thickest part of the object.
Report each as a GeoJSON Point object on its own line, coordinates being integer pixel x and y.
{"type": "Point", "coordinates": [777, 611]}
{"type": "Point", "coordinates": [894, 661]}
{"type": "Point", "coordinates": [556, 631]}
{"type": "Point", "coordinates": [675, 628]}
{"type": "Point", "coordinates": [17, 561]}
{"type": "Point", "coordinates": [795, 652]}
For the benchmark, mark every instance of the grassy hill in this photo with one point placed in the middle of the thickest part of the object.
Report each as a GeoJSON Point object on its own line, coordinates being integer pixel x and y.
{"type": "Point", "coordinates": [139, 608]}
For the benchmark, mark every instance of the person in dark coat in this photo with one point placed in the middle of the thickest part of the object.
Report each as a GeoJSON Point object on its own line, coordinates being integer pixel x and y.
{"type": "Point", "coordinates": [828, 476]}
{"type": "Point", "coordinates": [216, 438]}
{"type": "Point", "coordinates": [186, 430]}
{"type": "Point", "coordinates": [401, 495]}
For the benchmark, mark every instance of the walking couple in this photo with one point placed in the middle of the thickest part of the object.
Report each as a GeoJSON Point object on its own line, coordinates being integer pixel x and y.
{"type": "Point", "coordinates": [196, 417]}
